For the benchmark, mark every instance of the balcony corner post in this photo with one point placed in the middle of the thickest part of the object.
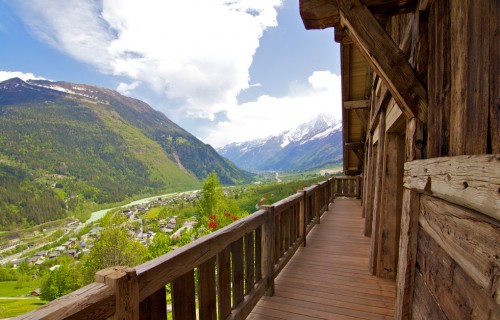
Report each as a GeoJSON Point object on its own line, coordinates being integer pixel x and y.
{"type": "Point", "coordinates": [124, 281]}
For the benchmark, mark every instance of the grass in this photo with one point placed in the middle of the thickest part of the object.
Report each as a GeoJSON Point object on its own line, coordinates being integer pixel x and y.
{"type": "Point", "coordinates": [14, 307]}
{"type": "Point", "coordinates": [17, 289]}
{"type": "Point", "coordinates": [153, 213]}
{"type": "Point", "coordinates": [12, 301]}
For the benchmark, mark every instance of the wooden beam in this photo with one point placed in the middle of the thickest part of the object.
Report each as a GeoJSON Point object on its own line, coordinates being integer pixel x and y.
{"type": "Point", "coordinates": [357, 104]}
{"type": "Point", "coordinates": [385, 57]}
{"type": "Point", "coordinates": [354, 145]}
{"type": "Point", "coordinates": [320, 14]}
{"type": "Point", "coordinates": [469, 181]}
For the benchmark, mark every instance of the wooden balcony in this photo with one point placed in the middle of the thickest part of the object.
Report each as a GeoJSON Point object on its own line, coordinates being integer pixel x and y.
{"type": "Point", "coordinates": [246, 267]}
{"type": "Point", "coordinates": [329, 279]}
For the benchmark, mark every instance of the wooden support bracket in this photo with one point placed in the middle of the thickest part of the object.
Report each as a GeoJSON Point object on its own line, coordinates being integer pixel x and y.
{"type": "Point", "coordinates": [385, 57]}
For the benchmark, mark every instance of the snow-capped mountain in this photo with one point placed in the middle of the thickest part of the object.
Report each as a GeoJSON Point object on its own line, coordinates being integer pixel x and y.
{"type": "Point", "coordinates": [312, 145]}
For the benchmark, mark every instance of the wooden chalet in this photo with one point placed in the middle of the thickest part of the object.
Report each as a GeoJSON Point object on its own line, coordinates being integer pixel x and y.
{"type": "Point", "coordinates": [421, 112]}
{"type": "Point", "coordinates": [421, 107]}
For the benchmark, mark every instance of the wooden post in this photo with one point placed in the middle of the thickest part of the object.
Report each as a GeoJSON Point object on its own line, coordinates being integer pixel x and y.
{"type": "Point", "coordinates": [367, 204]}
{"type": "Point", "coordinates": [124, 281]}
{"type": "Point", "coordinates": [377, 194]}
{"type": "Point", "coordinates": [268, 251]}
{"type": "Point", "coordinates": [390, 208]}
{"type": "Point", "coordinates": [358, 187]}
{"type": "Point", "coordinates": [405, 278]}
{"type": "Point", "coordinates": [302, 217]}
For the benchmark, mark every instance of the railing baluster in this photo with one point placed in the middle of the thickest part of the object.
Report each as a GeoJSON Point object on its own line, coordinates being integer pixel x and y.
{"type": "Point", "coordinates": [268, 251]}
{"type": "Point", "coordinates": [258, 254]}
{"type": "Point", "coordinates": [238, 271]}
{"type": "Point", "coordinates": [224, 282]}
{"type": "Point", "coordinates": [183, 297]}
{"type": "Point", "coordinates": [154, 307]}
{"type": "Point", "coordinates": [207, 297]}
{"type": "Point", "coordinates": [249, 262]}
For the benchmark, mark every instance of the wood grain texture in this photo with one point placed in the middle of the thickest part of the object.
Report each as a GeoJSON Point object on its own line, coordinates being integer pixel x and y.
{"type": "Point", "coordinates": [124, 281]}
{"type": "Point", "coordinates": [439, 80]}
{"type": "Point", "coordinates": [457, 295]}
{"type": "Point", "coordinates": [328, 279]}
{"type": "Point", "coordinates": [154, 307]}
{"type": "Point", "coordinates": [469, 181]}
{"type": "Point", "coordinates": [224, 282]}
{"type": "Point", "coordinates": [206, 297]}
{"type": "Point", "coordinates": [494, 76]}
{"type": "Point", "coordinates": [391, 202]}
{"type": "Point", "coordinates": [183, 297]}
{"type": "Point", "coordinates": [94, 301]}
{"type": "Point", "coordinates": [473, 242]}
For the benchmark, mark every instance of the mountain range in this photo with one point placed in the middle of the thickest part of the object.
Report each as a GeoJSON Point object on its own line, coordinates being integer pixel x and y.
{"type": "Point", "coordinates": [64, 144]}
{"type": "Point", "coordinates": [313, 145]}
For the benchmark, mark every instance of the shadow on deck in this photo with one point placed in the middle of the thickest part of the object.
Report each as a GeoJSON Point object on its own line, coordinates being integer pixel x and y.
{"type": "Point", "coordinates": [329, 278]}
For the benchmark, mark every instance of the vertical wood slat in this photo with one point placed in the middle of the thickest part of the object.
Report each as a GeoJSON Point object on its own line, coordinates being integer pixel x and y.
{"type": "Point", "coordinates": [439, 73]}
{"type": "Point", "coordinates": [377, 194]}
{"type": "Point", "coordinates": [302, 218]}
{"type": "Point", "coordinates": [207, 295]}
{"type": "Point", "coordinates": [238, 271]}
{"type": "Point", "coordinates": [183, 297]}
{"type": "Point", "coordinates": [478, 79]}
{"type": "Point", "coordinates": [494, 76]}
{"type": "Point", "coordinates": [258, 254]}
{"type": "Point", "coordinates": [224, 282]}
{"type": "Point", "coordinates": [249, 262]}
{"type": "Point", "coordinates": [268, 251]}
{"type": "Point", "coordinates": [154, 307]}
{"type": "Point", "coordinates": [277, 235]}
{"type": "Point", "coordinates": [286, 242]}
{"type": "Point", "coordinates": [367, 207]}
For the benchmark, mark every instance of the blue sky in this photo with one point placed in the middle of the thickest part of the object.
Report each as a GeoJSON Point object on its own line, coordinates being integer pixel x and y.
{"type": "Point", "coordinates": [227, 71]}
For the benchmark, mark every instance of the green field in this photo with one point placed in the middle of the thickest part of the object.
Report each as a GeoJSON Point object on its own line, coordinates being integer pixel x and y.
{"type": "Point", "coordinates": [13, 300]}
{"type": "Point", "coordinates": [14, 307]}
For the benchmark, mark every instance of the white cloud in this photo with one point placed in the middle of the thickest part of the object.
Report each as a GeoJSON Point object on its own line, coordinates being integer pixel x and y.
{"type": "Point", "coordinates": [126, 88]}
{"type": "Point", "coordinates": [197, 52]}
{"type": "Point", "coordinates": [271, 115]}
{"type": "Point", "coordinates": [5, 75]}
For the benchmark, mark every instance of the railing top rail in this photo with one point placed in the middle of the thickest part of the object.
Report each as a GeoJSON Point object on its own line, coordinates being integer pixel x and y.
{"type": "Point", "coordinates": [345, 177]}
{"type": "Point", "coordinates": [154, 274]}
{"type": "Point", "coordinates": [94, 301]}
{"type": "Point", "coordinates": [287, 202]}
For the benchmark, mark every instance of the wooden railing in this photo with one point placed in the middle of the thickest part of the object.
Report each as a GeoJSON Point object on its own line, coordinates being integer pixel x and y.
{"type": "Point", "coordinates": [348, 186]}
{"type": "Point", "coordinates": [221, 275]}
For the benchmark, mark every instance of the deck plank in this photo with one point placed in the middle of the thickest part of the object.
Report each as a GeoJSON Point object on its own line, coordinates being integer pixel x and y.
{"type": "Point", "coordinates": [329, 278]}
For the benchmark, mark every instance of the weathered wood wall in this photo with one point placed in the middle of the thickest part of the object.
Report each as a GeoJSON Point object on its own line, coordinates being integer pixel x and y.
{"type": "Point", "coordinates": [442, 241]}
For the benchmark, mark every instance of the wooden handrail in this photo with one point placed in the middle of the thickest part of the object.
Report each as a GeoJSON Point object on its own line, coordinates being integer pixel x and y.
{"type": "Point", "coordinates": [348, 186]}
{"type": "Point", "coordinates": [241, 260]}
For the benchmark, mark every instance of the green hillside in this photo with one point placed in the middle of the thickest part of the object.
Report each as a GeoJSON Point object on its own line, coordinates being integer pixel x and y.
{"type": "Point", "coordinates": [61, 151]}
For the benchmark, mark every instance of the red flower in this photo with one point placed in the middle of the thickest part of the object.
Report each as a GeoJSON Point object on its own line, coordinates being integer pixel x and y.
{"type": "Point", "coordinates": [212, 217]}
{"type": "Point", "coordinates": [235, 218]}
{"type": "Point", "coordinates": [267, 195]}
{"type": "Point", "coordinates": [227, 214]}
{"type": "Point", "coordinates": [212, 225]}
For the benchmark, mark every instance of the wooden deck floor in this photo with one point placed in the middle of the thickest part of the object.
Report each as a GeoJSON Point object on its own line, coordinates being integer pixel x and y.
{"type": "Point", "coordinates": [329, 278]}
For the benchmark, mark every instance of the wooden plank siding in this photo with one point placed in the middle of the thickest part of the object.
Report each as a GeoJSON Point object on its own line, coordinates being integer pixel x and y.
{"type": "Point", "coordinates": [329, 278]}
